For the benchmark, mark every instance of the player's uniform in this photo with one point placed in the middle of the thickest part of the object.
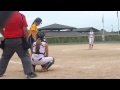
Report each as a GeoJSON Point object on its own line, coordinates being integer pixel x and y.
{"type": "Point", "coordinates": [91, 37]}
{"type": "Point", "coordinates": [40, 59]}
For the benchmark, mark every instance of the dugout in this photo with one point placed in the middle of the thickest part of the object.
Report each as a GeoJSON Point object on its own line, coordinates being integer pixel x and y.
{"type": "Point", "coordinates": [87, 29]}
{"type": "Point", "coordinates": [56, 27]}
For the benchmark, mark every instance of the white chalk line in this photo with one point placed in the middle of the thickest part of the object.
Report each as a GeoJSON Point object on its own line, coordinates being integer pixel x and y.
{"type": "Point", "coordinates": [89, 67]}
{"type": "Point", "coordinates": [114, 61]}
{"type": "Point", "coordinates": [64, 50]}
{"type": "Point", "coordinates": [70, 49]}
{"type": "Point", "coordinates": [83, 67]}
{"type": "Point", "coordinates": [15, 62]}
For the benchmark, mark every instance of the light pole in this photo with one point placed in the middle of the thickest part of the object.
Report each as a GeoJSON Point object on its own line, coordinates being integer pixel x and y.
{"type": "Point", "coordinates": [118, 24]}
{"type": "Point", "coordinates": [103, 36]}
{"type": "Point", "coordinates": [112, 28]}
{"type": "Point", "coordinates": [118, 21]}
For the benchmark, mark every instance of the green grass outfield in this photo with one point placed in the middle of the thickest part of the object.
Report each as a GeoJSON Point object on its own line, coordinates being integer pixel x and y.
{"type": "Point", "coordinates": [105, 42]}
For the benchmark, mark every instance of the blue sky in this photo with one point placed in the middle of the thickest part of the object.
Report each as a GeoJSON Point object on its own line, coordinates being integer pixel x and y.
{"type": "Point", "coordinates": [77, 19]}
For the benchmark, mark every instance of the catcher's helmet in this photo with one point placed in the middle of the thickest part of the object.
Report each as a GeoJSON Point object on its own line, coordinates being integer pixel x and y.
{"type": "Point", "coordinates": [40, 35]}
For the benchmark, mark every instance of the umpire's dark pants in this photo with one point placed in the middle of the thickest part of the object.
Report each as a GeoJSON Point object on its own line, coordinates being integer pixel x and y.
{"type": "Point", "coordinates": [12, 46]}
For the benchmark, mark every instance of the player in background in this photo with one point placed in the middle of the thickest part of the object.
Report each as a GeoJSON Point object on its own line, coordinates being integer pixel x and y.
{"type": "Point", "coordinates": [91, 36]}
{"type": "Point", "coordinates": [34, 31]}
{"type": "Point", "coordinates": [40, 53]}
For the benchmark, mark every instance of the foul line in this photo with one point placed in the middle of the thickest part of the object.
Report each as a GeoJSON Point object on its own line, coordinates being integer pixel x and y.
{"type": "Point", "coordinates": [15, 62]}
{"type": "Point", "coordinates": [88, 66]}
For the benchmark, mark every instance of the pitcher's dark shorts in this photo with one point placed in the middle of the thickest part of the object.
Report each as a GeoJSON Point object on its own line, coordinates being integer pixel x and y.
{"type": "Point", "coordinates": [31, 40]}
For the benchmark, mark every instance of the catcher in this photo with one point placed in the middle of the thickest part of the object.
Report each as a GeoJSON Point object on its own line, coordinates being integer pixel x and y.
{"type": "Point", "coordinates": [40, 53]}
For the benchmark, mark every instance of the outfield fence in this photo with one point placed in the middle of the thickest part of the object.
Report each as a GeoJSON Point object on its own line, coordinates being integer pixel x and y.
{"type": "Point", "coordinates": [83, 38]}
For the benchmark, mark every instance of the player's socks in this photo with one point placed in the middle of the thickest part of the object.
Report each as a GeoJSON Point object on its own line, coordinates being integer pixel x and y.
{"type": "Point", "coordinates": [92, 46]}
{"type": "Point", "coordinates": [89, 46]}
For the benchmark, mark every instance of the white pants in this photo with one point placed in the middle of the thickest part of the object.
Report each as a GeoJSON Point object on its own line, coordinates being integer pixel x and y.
{"type": "Point", "coordinates": [39, 59]}
{"type": "Point", "coordinates": [91, 40]}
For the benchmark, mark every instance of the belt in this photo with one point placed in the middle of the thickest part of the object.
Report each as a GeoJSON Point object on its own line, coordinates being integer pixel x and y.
{"type": "Point", "coordinates": [38, 53]}
{"type": "Point", "coordinates": [14, 38]}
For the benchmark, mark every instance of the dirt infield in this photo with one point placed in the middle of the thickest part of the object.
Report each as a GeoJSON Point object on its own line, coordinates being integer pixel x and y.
{"type": "Point", "coordinates": [74, 62]}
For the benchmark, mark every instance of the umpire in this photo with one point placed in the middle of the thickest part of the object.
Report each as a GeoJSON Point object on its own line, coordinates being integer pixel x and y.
{"type": "Point", "coordinates": [14, 29]}
{"type": "Point", "coordinates": [4, 16]}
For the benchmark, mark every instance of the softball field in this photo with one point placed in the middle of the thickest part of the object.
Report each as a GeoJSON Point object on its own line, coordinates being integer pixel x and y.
{"type": "Point", "coordinates": [74, 62]}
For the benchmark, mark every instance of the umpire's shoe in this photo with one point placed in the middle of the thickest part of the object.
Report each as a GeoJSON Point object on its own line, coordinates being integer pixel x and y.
{"type": "Point", "coordinates": [31, 75]}
{"type": "Point", "coordinates": [1, 75]}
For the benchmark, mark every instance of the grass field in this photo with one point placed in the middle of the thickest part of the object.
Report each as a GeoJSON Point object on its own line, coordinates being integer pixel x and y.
{"type": "Point", "coordinates": [75, 61]}
{"type": "Point", "coordinates": [75, 43]}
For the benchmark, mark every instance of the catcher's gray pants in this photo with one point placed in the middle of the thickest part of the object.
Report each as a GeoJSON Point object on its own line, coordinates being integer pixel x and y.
{"type": "Point", "coordinates": [12, 46]}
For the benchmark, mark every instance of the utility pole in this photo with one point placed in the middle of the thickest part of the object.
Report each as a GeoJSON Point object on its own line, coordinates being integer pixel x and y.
{"type": "Point", "coordinates": [112, 28]}
{"type": "Point", "coordinates": [118, 21]}
{"type": "Point", "coordinates": [103, 36]}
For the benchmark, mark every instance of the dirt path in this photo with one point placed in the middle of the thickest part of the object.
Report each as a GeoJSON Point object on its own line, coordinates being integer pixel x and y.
{"type": "Point", "coordinates": [75, 62]}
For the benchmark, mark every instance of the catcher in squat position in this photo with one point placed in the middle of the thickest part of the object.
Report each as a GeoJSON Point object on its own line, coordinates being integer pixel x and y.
{"type": "Point", "coordinates": [40, 53]}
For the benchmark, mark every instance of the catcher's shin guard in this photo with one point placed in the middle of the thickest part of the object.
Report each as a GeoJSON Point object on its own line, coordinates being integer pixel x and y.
{"type": "Point", "coordinates": [49, 64]}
